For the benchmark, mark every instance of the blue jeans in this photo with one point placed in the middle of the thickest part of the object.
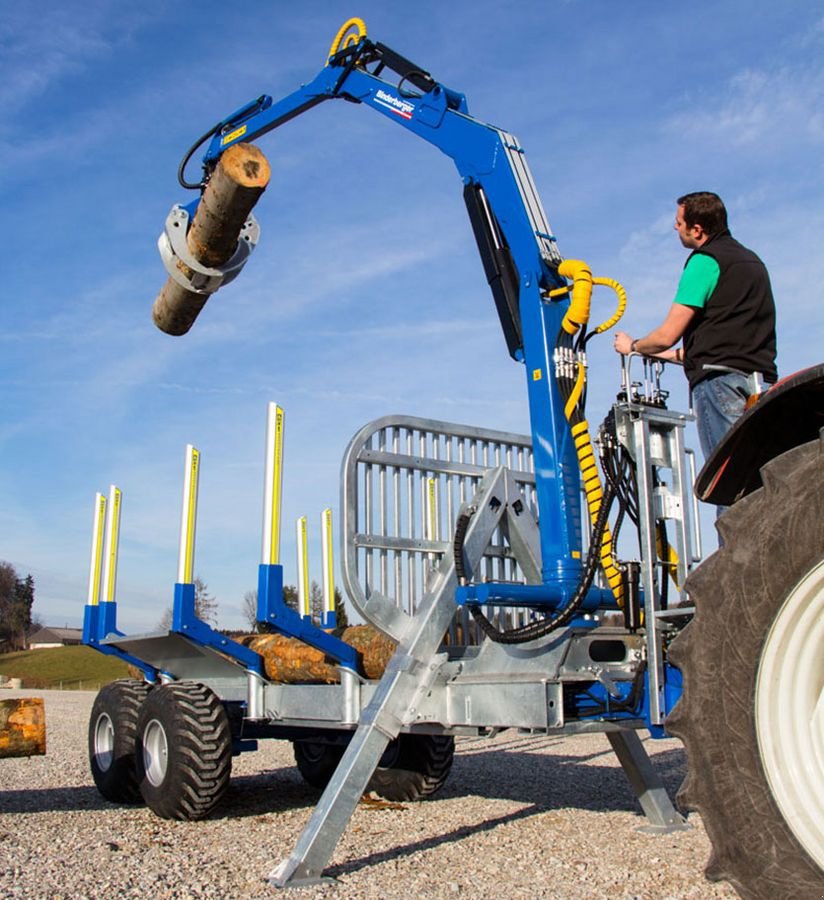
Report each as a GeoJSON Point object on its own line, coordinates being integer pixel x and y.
{"type": "Point", "coordinates": [718, 402]}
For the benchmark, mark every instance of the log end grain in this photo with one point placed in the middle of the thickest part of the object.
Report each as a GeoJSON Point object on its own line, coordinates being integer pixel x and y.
{"type": "Point", "coordinates": [246, 165]}
{"type": "Point", "coordinates": [22, 727]}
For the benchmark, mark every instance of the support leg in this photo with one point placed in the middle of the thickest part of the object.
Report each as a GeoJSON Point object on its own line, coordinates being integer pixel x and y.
{"type": "Point", "coordinates": [661, 815]}
{"type": "Point", "coordinates": [408, 676]}
{"type": "Point", "coordinates": [323, 830]}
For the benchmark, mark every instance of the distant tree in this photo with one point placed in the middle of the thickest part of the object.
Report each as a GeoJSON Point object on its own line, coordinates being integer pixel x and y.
{"type": "Point", "coordinates": [290, 596]}
{"type": "Point", "coordinates": [340, 610]}
{"type": "Point", "coordinates": [205, 603]}
{"type": "Point", "coordinates": [205, 607]}
{"type": "Point", "coordinates": [316, 602]}
{"type": "Point", "coordinates": [16, 601]}
{"type": "Point", "coordinates": [250, 610]}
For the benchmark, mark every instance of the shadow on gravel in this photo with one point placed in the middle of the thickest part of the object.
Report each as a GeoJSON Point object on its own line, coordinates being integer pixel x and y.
{"type": "Point", "coordinates": [72, 799]}
{"type": "Point", "coordinates": [451, 837]}
{"type": "Point", "coordinates": [495, 771]}
{"type": "Point", "coordinates": [272, 792]}
{"type": "Point", "coordinates": [517, 769]}
{"type": "Point", "coordinates": [557, 781]}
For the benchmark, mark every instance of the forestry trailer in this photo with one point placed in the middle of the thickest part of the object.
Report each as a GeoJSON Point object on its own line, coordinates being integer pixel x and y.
{"type": "Point", "coordinates": [485, 563]}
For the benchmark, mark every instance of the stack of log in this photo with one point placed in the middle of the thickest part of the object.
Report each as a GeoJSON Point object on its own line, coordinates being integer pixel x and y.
{"type": "Point", "coordinates": [22, 727]}
{"type": "Point", "coordinates": [289, 661]}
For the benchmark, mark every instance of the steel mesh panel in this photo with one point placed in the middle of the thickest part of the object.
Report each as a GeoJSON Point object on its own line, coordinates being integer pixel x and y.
{"type": "Point", "coordinates": [404, 482]}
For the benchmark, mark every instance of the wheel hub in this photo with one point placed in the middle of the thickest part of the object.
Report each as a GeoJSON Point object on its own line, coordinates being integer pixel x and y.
{"type": "Point", "coordinates": [104, 742]}
{"type": "Point", "coordinates": [155, 752]}
{"type": "Point", "coordinates": [789, 711]}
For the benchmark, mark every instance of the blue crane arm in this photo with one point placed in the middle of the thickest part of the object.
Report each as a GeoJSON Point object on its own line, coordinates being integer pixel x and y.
{"type": "Point", "coordinates": [518, 250]}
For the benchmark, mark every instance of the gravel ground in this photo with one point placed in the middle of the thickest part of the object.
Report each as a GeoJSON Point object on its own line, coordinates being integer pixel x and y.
{"type": "Point", "coordinates": [520, 816]}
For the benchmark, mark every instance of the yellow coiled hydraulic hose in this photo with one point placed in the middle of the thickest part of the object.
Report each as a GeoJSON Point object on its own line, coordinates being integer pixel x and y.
{"type": "Point", "coordinates": [569, 360]}
{"type": "Point", "coordinates": [349, 34]}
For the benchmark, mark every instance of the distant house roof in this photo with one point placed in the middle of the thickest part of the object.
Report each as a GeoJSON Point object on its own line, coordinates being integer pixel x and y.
{"type": "Point", "coordinates": [56, 636]}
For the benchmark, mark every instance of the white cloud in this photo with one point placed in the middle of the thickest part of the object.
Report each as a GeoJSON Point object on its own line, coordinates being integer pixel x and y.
{"type": "Point", "coordinates": [757, 109]}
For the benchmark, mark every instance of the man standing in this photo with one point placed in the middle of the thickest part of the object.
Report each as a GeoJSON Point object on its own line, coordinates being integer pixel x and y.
{"type": "Point", "coordinates": [725, 313]}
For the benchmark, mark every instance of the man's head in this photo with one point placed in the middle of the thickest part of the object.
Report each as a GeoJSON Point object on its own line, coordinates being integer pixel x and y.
{"type": "Point", "coordinates": [700, 216]}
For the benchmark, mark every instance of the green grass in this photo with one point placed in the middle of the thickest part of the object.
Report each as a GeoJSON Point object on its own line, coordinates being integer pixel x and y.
{"type": "Point", "coordinates": [66, 668]}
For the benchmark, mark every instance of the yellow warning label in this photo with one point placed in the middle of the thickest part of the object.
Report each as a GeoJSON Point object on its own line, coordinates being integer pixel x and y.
{"type": "Point", "coordinates": [233, 135]}
{"type": "Point", "coordinates": [576, 554]}
{"type": "Point", "coordinates": [537, 375]}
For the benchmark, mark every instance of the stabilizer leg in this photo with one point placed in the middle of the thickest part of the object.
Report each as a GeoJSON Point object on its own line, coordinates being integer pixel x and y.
{"type": "Point", "coordinates": [408, 676]}
{"type": "Point", "coordinates": [661, 815]}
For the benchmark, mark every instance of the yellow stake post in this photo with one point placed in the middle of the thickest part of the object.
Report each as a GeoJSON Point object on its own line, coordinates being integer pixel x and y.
{"type": "Point", "coordinates": [328, 562]}
{"type": "Point", "coordinates": [272, 485]}
{"type": "Point", "coordinates": [95, 565]}
{"type": "Point", "coordinates": [303, 568]}
{"type": "Point", "coordinates": [112, 543]}
{"type": "Point", "coordinates": [188, 518]}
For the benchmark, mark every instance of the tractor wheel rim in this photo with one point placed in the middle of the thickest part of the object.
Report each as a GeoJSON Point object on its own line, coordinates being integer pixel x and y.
{"type": "Point", "coordinates": [155, 753]}
{"type": "Point", "coordinates": [789, 711]}
{"type": "Point", "coordinates": [104, 742]}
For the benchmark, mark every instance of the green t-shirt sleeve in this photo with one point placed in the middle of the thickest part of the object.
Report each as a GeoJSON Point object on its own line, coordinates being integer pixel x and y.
{"type": "Point", "coordinates": [698, 281]}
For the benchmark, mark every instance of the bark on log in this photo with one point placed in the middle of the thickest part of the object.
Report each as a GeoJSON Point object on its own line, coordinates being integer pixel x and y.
{"type": "Point", "coordinates": [290, 661]}
{"type": "Point", "coordinates": [240, 178]}
{"type": "Point", "coordinates": [22, 727]}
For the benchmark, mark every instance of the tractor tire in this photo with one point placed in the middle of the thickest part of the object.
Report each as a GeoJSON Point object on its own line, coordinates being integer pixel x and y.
{"type": "Point", "coordinates": [183, 751]}
{"type": "Point", "coordinates": [317, 761]}
{"type": "Point", "coordinates": [753, 664]}
{"type": "Point", "coordinates": [413, 767]}
{"type": "Point", "coordinates": [112, 733]}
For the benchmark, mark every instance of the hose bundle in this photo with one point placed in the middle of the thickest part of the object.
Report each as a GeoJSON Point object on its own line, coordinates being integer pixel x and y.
{"type": "Point", "coordinates": [570, 374]}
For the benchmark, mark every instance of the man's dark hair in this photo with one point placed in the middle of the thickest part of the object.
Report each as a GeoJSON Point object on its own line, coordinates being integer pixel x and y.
{"type": "Point", "coordinates": [705, 209]}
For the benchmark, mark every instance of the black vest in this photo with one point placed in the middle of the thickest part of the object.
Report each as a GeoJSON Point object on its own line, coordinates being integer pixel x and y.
{"type": "Point", "coordinates": [736, 327]}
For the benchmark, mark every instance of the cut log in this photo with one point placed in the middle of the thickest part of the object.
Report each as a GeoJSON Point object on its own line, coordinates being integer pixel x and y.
{"type": "Point", "coordinates": [374, 648]}
{"type": "Point", "coordinates": [290, 661]}
{"type": "Point", "coordinates": [22, 727]}
{"type": "Point", "coordinates": [240, 178]}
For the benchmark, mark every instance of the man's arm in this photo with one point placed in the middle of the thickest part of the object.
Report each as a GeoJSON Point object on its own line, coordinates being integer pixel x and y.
{"type": "Point", "coordinates": [659, 341]}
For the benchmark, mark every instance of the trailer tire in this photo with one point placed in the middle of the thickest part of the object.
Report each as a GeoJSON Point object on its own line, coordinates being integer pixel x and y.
{"type": "Point", "coordinates": [414, 767]}
{"type": "Point", "coordinates": [183, 751]}
{"type": "Point", "coordinates": [753, 667]}
{"type": "Point", "coordinates": [112, 732]}
{"type": "Point", "coordinates": [317, 761]}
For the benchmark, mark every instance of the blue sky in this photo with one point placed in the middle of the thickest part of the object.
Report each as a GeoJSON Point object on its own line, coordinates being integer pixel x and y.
{"type": "Point", "coordinates": [365, 295]}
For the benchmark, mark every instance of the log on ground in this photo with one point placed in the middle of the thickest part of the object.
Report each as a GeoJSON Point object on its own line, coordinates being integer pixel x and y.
{"type": "Point", "coordinates": [237, 183]}
{"type": "Point", "coordinates": [22, 727]}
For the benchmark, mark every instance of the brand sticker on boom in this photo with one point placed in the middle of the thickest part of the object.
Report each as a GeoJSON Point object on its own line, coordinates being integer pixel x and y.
{"type": "Point", "coordinates": [400, 107]}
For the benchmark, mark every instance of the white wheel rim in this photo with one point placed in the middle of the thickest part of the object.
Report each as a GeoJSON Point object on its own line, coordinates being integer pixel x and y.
{"type": "Point", "coordinates": [155, 753]}
{"type": "Point", "coordinates": [104, 742]}
{"type": "Point", "coordinates": [789, 711]}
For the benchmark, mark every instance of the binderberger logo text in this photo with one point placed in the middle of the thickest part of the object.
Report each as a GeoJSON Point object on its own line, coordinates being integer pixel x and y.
{"type": "Point", "coordinates": [395, 104]}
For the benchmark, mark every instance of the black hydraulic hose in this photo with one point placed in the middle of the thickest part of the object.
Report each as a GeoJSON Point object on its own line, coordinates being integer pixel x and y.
{"type": "Point", "coordinates": [457, 545]}
{"type": "Point", "coordinates": [189, 154]}
{"type": "Point", "coordinates": [665, 569]}
{"type": "Point", "coordinates": [544, 626]}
